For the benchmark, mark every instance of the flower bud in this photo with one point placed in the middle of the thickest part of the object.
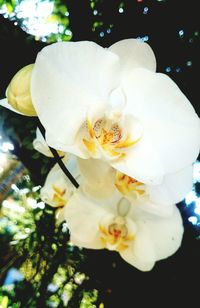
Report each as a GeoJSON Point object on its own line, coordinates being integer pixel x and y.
{"type": "Point", "coordinates": [18, 91]}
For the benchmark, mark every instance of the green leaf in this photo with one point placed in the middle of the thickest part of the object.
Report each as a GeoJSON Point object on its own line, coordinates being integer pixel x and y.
{"type": "Point", "coordinates": [9, 7]}
{"type": "Point", "coordinates": [36, 155]}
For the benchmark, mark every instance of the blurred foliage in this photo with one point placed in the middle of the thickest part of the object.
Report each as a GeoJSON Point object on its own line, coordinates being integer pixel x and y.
{"type": "Point", "coordinates": [21, 131]}
{"type": "Point", "coordinates": [9, 4]}
{"type": "Point", "coordinates": [57, 17]}
{"type": "Point", "coordinates": [35, 244]}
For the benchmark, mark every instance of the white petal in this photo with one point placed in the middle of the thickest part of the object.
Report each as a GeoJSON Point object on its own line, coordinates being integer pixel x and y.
{"type": "Point", "coordinates": [72, 165]}
{"type": "Point", "coordinates": [141, 253]}
{"type": "Point", "coordinates": [165, 233]}
{"type": "Point", "coordinates": [4, 103]}
{"type": "Point", "coordinates": [117, 102]}
{"type": "Point", "coordinates": [133, 54]}
{"type": "Point", "coordinates": [60, 215]}
{"type": "Point", "coordinates": [174, 188]}
{"type": "Point", "coordinates": [95, 243]}
{"type": "Point", "coordinates": [98, 177]}
{"type": "Point", "coordinates": [156, 238]}
{"type": "Point", "coordinates": [171, 128]}
{"type": "Point", "coordinates": [141, 265]}
{"type": "Point", "coordinates": [78, 148]}
{"type": "Point", "coordinates": [40, 144]}
{"type": "Point", "coordinates": [95, 169]}
{"type": "Point", "coordinates": [67, 79]}
{"type": "Point", "coordinates": [83, 216]}
{"type": "Point", "coordinates": [159, 209]}
{"type": "Point", "coordinates": [141, 165]}
{"type": "Point", "coordinates": [131, 127]}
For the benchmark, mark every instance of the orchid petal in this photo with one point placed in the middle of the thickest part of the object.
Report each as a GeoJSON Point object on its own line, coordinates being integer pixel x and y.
{"type": "Point", "coordinates": [77, 148]}
{"type": "Point", "coordinates": [133, 54]}
{"type": "Point", "coordinates": [159, 209]}
{"type": "Point", "coordinates": [95, 243]}
{"type": "Point", "coordinates": [60, 218]}
{"type": "Point", "coordinates": [156, 238]}
{"type": "Point", "coordinates": [141, 253]}
{"type": "Point", "coordinates": [166, 234]}
{"type": "Point", "coordinates": [98, 178]}
{"type": "Point", "coordinates": [174, 188]}
{"type": "Point", "coordinates": [40, 145]}
{"type": "Point", "coordinates": [171, 128]}
{"type": "Point", "coordinates": [140, 165]}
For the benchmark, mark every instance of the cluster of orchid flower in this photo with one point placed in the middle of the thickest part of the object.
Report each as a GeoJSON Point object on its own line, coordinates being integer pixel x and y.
{"type": "Point", "coordinates": [127, 134]}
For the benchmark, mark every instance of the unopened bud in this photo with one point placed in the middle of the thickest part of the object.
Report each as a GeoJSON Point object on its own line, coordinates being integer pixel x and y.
{"type": "Point", "coordinates": [18, 91]}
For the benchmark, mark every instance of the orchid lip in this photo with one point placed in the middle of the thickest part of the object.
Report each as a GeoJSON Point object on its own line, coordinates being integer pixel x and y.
{"type": "Point", "coordinates": [129, 186]}
{"type": "Point", "coordinates": [116, 236]}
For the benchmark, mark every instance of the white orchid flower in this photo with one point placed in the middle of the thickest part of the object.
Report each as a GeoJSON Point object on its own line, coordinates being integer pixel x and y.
{"type": "Point", "coordinates": [101, 180]}
{"type": "Point", "coordinates": [41, 146]}
{"type": "Point", "coordinates": [94, 89]}
{"type": "Point", "coordinates": [115, 224]}
{"type": "Point", "coordinates": [110, 104]}
{"type": "Point", "coordinates": [58, 189]}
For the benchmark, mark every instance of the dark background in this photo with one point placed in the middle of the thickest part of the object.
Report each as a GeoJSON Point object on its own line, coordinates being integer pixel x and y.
{"type": "Point", "coordinates": [173, 282]}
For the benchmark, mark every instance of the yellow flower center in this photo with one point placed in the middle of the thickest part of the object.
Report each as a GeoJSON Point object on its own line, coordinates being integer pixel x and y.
{"type": "Point", "coordinates": [109, 136]}
{"type": "Point", "coordinates": [129, 186]}
{"type": "Point", "coordinates": [115, 236]}
{"type": "Point", "coordinates": [58, 196]}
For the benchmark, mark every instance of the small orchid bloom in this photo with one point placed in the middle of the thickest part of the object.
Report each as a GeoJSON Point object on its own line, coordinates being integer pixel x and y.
{"type": "Point", "coordinates": [115, 224]}
{"type": "Point", "coordinates": [110, 104]}
{"type": "Point", "coordinates": [101, 180]}
{"type": "Point", "coordinates": [58, 189]}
